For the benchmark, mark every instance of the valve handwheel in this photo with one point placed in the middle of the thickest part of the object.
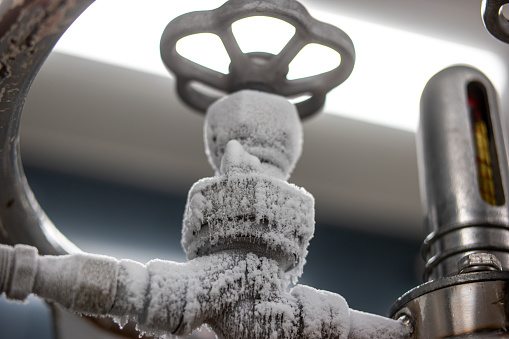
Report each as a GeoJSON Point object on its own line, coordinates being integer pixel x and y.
{"type": "Point", "coordinates": [260, 71]}
{"type": "Point", "coordinates": [494, 20]}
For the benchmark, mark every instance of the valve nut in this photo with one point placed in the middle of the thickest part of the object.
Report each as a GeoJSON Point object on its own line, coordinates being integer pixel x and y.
{"type": "Point", "coordinates": [480, 261]}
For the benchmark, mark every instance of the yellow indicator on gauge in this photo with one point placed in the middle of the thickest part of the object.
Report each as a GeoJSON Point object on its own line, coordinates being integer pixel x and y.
{"type": "Point", "coordinates": [488, 174]}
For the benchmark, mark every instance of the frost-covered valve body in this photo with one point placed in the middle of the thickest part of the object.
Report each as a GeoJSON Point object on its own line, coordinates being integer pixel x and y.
{"type": "Point", "coordinates": [246, 228]}
{"type": "Point", "coordinates": [253, 140]}
{"type": "Point", "coordinates": [246, 233]}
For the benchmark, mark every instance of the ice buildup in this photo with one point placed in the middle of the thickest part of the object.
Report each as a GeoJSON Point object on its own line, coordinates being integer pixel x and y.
{"type": "Point", "coordinates": [253, 141]}
{"type": "Point", "coordinates": [266, 125]}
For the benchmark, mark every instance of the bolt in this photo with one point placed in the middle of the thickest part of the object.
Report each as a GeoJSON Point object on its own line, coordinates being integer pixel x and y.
{"type": "Point", "coordinates": [480, 261]}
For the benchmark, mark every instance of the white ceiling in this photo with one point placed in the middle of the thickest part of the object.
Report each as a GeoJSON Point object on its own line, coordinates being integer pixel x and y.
{"type": "Point", "coordinates": [109, 122]}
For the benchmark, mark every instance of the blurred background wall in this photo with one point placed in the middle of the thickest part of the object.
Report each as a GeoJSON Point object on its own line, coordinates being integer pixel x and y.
{"type": "Point", "coordinates": [110, 153]}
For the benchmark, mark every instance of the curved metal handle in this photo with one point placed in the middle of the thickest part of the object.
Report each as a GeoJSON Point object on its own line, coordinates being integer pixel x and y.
{"type": "Point", "coordinates": [29, 30]}
{"type": "Point", "coordinates": [261, 71]}
{"type": "Point", "coordinates": [494, 20]}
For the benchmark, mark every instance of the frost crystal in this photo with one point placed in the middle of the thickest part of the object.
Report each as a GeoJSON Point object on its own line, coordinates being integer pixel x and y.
{"type": "Point", "coordinates": [246, 231]}
{"type": "Point", "coordinates": [248, 210]}
{"type": "Point", "coordinates": [266, 125]}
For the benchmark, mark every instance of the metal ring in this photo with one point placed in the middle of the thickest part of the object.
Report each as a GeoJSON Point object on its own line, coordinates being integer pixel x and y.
{"type": "Point", "coordinates": [28, 31]}
{"type": "Point", "coordinates": [245, 72]}
{"type": "Point", "coordinates": [494, 20]}
{"type": "Point", "coordinates": [434, 285]}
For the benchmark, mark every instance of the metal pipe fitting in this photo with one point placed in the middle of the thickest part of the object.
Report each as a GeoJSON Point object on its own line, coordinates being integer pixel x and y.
{"type": "Point", "coordinates": [239, 295]}
{"type": "Point", "coordinates": [463, 171]}
{"type": "Point", "coordinates": [464, 176]}
{"type": "Point", "coordinates": [469, 305]}
{"type": "Point", "coordinates": [29, 29]}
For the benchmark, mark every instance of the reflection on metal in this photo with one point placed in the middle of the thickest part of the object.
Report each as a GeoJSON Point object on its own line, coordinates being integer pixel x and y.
{"type": "Point", "coordinates": [28, 31]}
{"type": "Point", "coordinates": [494, 20]}
{"type": "Point", "coordinates": [457, 218]}
{"type": "Point", "coordinates": [470, 305]}
{"type": "Point", "coordinates": [257, 70]}
{"type": "Point", "coordinates": [463, 170]}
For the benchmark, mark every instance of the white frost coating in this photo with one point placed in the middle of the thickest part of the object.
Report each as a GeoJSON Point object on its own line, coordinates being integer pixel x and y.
{"type": "Point", "coordinates": [250, 208]}
{"type": "Point", "coordinates": [246, 231]}
{"type": "Point", "coordinates": [180, 297]}
{"type": "Point", "coordinates": [236, 160]}
{"type": "Point", "coordinates": [23, 272]}
{"type": "Point", "coordinates": [247, 209]}
{"type": "Point", "coordinates": [6, 261]}
{"type": "Point", "coordinates": [240, 295]}
{"type": "Point", "coordinates": [366, 325]}
{"type": "Point", "coordinates": [322, 307]}
{"type": "Point", "coordinates": [266, 125]}
{"type": "Point", "coordinates": [132, 284]}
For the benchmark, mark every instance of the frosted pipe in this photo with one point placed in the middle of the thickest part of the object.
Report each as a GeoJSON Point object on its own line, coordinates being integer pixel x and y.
{"type": "Point", "coordinates": [238, 295]}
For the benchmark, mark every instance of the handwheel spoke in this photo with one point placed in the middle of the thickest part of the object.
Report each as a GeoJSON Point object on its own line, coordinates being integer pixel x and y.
{"type": "Point", "coordinates": [292, 48]}
{"type": "Point", "coordinates": [237, 57]}
{"type": "Point", "coordinates": [258, 70]}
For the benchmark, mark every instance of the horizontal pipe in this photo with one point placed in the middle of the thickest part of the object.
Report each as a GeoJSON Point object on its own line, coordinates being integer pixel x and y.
{"type": "Point", "coordinates": [224, 290]}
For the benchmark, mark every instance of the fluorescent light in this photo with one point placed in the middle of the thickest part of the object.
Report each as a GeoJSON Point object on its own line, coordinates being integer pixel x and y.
{"type": "Point", "coordinates": [313, 59]}
{"type": "Point", "coordinates": [126, 33]}
{"type": "Point", "coordinates": [391, 69]}
{"type": "Point", "coordinates": [192, 46]}
{"type": "Point", "coordinates": [262, 34]}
